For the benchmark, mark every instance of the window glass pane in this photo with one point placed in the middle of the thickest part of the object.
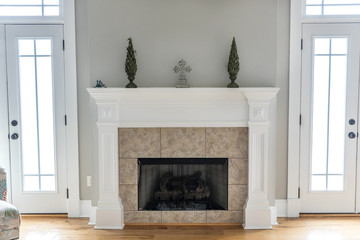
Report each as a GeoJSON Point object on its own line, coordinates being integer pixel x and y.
{"type": "Point", "coordinates": [37, 114]}
{"type": "Point", "coordinates": [43, 47]}
{"type": "Point", "coordinates": [28, 135]}
{"type": "Point", "coordinates": [29, 8]}
{"type": "Point", "coordinates": [20, 2]}
{"type": "Point", "coordinates": [320, 114]}
{"type": "Point", "coordinates": [337, 113]}
{"type": "Point", "coordinates": [48, 183]}
{"type": "Point", "coordinates": [20, 11]}
{"type": "Point", "coordinates": [318, 183]}
{"type": "Point", "coordinates": [336, 183]}
{"type": "Point", "coordinates": [314, 2]}
{"type": "Point", "coordinates": [51, 11]}
{"type": "Point", "coordinates": [322, 45]}
{"type": "Point", "coordinates": [342, 10]}
{"type": "Point", "coordinates": [51, 2]}
{"type": "Point", "coordinates": [313, 10]}
{"type": "Point", "coordinates": [46, 115]}
{"type": "Point", "coordinates": [339, 45]}
{"type": "Point", "coordinates": [26, 47]}
{"type": "Point", "coordinates": [341, 1]}
{"type": "Point", "coordinates": [31, 183]}
{"type": "Point", "coordinates": [332, 7]}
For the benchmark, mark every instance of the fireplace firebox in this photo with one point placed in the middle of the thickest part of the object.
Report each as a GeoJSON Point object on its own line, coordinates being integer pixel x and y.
{"type": "Point", "coordinates": [170, 184]}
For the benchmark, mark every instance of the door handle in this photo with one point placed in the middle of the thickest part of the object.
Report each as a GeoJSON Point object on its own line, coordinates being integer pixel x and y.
{"type": "Point", "coordinates": [352, 135]}
{"type": "Point", "coordinates": [14, 136]}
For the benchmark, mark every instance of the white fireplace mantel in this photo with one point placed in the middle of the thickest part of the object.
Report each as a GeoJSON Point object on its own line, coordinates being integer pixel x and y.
{"type": "Point", "coordinates": [186, 107]}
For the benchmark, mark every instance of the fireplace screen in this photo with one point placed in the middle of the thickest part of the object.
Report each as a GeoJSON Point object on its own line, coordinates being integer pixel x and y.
{"type": "Point", "coordinates": [167, 184]}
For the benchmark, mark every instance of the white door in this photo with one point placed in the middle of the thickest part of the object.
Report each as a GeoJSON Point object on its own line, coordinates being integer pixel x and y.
{"type": "Point", "coordinates": [329, 110]}
{"type": "Point", "coordinates": [35, 70]}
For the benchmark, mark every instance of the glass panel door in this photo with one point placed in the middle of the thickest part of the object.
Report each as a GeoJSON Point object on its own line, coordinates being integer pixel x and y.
{"type": "Point", "coordinates": [36, 116]}
{"type": "Point", "coordinates": [329, 109]}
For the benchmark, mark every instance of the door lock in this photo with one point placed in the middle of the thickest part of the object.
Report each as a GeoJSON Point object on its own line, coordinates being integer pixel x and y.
{"type": "Point", "coordinates": [352, 135]}
{"type": "Point", "coordinates": [14, 136]}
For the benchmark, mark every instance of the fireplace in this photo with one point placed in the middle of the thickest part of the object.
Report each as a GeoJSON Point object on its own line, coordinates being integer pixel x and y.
{"type": "Point", "coordinates": [161, 108]}
{"type": "Point", "coordinates": [183, 184]}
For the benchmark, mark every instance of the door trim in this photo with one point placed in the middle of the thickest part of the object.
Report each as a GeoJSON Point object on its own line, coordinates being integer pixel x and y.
{"type": "Point", "coordinates": [71, 110]}
{"type": "Point", "coordinates": [296, 21]}
{"type": "Point", "coordinates": [4, 119]}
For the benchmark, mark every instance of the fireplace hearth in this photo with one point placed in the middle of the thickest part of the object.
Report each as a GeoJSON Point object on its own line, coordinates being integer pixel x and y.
{"type": "Point", "coordinates": [191, 184]}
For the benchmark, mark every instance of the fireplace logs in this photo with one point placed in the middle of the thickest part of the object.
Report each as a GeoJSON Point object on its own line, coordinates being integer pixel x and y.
{"type": "Point", "coordinates": [182, 188]}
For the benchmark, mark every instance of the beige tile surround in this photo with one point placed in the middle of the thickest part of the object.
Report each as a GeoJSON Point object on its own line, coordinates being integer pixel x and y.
{"type": "Point", "coordinates": [229, 143]}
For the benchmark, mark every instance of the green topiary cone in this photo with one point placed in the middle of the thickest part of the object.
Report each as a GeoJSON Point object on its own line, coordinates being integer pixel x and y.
{"type": "Point", "coordinates": [233, 65]}
{"type": "Point", "coordinates": [130, 65]}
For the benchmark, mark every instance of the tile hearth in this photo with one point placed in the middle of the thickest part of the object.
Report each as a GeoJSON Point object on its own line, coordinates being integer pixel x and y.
{"type": "Point", "coordinates": [229, 143]}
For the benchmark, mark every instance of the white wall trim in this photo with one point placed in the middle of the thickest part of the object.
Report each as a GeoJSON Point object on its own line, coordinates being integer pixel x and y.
{"type": "Point", "coordinates": [4, 116]}
{"type": "Point", "coordinates": [296, 22]}
{"type": "Point", "coordinates": [273, 210]}
{"type": "Point", "coordinates": [92, 221]}
{"type": "Point", "coordinates": [85, 208]}
{"type": "Point", "coordinates": [281, 207]}
{"type": "Point", "coordinates": [71, 109]}
{"type": "Point", "coordinates": [294, 102]}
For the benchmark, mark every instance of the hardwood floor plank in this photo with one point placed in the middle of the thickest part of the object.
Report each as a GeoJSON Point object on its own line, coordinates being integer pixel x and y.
{"type": "Point", "coordinates": [59, 227]}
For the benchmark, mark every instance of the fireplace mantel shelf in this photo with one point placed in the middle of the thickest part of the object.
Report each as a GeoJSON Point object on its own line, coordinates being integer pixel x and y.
{"type": "Point", "coordinates": [175, 107]}
{"type": "Point", "coordinates": [181, 107]}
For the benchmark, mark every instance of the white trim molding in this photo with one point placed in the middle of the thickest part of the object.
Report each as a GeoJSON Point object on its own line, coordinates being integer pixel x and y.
{"type": "Point", "coordinates": [297, 19]}
{"type": "Point", "coordinates": [281, 207]}
{"type": "Point", "coordinates": [274, 211]}
{"type": "Point", "coordinates": [193, 107]}
{"type": "Point", "coordinates": [294, 105]}
{"type": "Point", "coordinates": [70, 96]}
{"type": "Point", "coordinates": [72, 154]}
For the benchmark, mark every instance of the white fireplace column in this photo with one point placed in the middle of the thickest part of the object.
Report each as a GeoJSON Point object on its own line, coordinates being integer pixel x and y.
{"type": "Point", "coordinates": [109, 212]}
{"type": "Point", "coordinates": [192, 107]}
{"type": "Point", "coordinates": [257, 213]}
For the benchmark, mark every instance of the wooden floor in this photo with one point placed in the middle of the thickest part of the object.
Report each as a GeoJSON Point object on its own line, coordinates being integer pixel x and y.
{"type": "Point", "coordinates": [305, 228]}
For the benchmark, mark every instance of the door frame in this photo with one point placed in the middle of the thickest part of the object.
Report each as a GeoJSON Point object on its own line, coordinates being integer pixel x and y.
{"type": "Point", "coordinates": [296, 21]}
{"type": "Point", "coordinates": [72, 156]}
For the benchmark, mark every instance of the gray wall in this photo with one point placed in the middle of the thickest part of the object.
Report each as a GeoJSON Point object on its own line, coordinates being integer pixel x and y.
{"type": "Point", "coordinates": [166, 31]}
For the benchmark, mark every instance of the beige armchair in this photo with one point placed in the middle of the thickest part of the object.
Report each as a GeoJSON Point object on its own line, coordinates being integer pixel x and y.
{"type": "Point", "coordinates": [9, 215]}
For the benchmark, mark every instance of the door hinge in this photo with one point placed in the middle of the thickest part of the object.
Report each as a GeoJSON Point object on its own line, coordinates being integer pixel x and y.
{"type": "Point", "coordinates": [64, 45]}
{"type": "Point", "coordinates": [299, 193]}
{"type": "Point", "coordinates": [67, 193]}
{"type": "Point", "coordinates": [65, 120]}
{"type": "Point", "coordinates": [302, 44]}
{"type": "Point", "coordinates": [300, 120]}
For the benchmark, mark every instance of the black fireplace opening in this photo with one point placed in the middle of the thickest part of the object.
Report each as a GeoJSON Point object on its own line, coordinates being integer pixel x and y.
{"type": "Point", "coordinates": [171, 184]}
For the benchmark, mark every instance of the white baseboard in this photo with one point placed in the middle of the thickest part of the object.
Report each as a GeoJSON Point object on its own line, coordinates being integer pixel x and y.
{"type": "Point", "coordinates": [85, 206]}
{"type": "Point", "coordinates": [293, 207]}
{"type": "Point", "coordinates": [92, 215]}
{"type": "Point", "coordinates": [281, 207]}
{"type": "Point", "coordinates": [273, 215]}
{"type": "Point", "coordinates": [86, 210]}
